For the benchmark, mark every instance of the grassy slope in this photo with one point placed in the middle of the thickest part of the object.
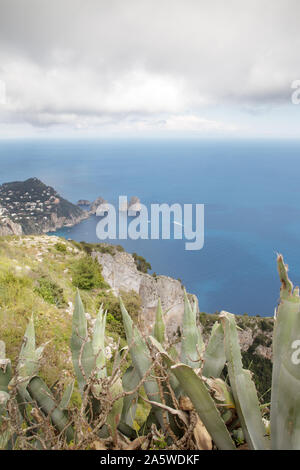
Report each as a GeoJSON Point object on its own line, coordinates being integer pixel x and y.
{"type": "Point", "coordinates": [23, 261]}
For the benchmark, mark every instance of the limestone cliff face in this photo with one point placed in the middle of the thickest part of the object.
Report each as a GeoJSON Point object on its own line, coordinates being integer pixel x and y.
{"type": "Point", "coordinates": [121, 273]}
{"type": "Point", "coordinates": [10, 228]}
{"type": "Point", "coordinates": [7, 226]}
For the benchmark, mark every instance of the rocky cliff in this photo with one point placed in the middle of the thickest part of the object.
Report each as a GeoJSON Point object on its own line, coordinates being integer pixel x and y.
{"type": "Point", "coordinates": [31, 207]}
{"type": "Point", "coordinates": [121, 273]}
{"type": "Point", "coordinates": [7, 226]}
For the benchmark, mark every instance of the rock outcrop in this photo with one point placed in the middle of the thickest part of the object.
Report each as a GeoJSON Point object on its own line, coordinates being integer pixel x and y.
{"type": "Point", "coordinates": [83, 202]}
{"type": "Point", "coordinates": [7, 226]}
{"type": "Point", "coordinates": [134, 206]}
{"type": "Point", "coordinates": [96, 204]}
{"type": "Point", "coordinates": [121, 273]}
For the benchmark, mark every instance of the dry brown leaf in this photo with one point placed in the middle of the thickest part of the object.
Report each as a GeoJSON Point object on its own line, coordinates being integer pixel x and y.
{"type": "Point", "coordinates": [185, 404]}
{"type": "Point", "coordinates": [202, 437]}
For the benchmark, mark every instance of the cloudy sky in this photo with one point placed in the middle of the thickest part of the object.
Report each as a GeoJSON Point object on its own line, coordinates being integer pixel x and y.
{"type": "Point", "coordinates": [201, 68]}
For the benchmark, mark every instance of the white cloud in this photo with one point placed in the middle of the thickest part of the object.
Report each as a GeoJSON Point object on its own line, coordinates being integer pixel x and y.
{"type": "Point", "coordinates": [143, 64]}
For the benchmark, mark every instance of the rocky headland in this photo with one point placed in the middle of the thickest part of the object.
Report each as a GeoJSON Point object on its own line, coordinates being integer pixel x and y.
{"type": "Point", "coordinates": [31, 207]}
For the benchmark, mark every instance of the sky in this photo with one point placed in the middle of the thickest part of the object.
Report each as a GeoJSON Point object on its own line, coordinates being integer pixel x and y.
{"type": "Point", "coordinates": [154, 68]}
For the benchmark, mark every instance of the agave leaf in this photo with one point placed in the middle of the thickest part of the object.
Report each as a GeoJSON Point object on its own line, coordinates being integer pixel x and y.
{"type": "Point", "coordinates": [130, 381]}
{"type": "Point", "coordinates": [159, 326]}
{"type": "Point", "coordinates": [5, 369]}
{"type": "Point", "coordinates": [64, 403]}
{"type": "Point", "coordinates": [4, 439]}
{"type": "Point", "coordinates": [42, 395]}
{"type": "Point", "coordinates": [98, 343]}
{"type": "Point", "coordinates": [118, 358]}
{"type": "Point", "coordinates": [140, 357]}
{"type": "Point", "coordinates": [4, 397]}
{"type": "Point", "coordinates": [81, 347]}
{"type": "Point", "coordinates": [195, 388]}
{"type": "Point", "coordinates": [114, 416]}
{"type": "Point", "coordinates": [214, 356]}
{"type": "Point", "coordinates": [170, 358]}
{"type": "Point", "coordinates": [28, 363]}
{"type": "Point", "coordinates": [191, 343]}
{"type": "Point", "coordinates": [127, 430]}
{"type": "Point", "coordinates": [285, 399]}
{"type": "Point", "coordinates": [243, 388]}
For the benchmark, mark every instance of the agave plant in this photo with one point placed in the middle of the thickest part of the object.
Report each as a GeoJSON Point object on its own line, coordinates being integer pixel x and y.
{"type": "Point", "coordinates": [197, 374]}
{"type": "Point", "coordinates": [185, 385]}
{"type": "Point", "coordinates": [89, 359]}
{"type": "Point", "coordinates": [29, 389]}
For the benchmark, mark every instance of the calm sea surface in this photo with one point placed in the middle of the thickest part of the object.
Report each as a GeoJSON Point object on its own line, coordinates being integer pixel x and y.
{"type": "Point", "coordinates": [251, 192]}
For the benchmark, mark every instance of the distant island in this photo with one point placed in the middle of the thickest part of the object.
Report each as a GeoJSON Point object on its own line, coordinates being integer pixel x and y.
{"type": "Point", "coordinates": [31, 208]}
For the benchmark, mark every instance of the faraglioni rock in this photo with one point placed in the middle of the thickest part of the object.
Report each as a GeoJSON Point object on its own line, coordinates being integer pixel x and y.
{"type": "Point", "coordinates": [83, 202]}
{"type": "Point", "coordinates": [95, 205]}
{"type": "Point", "coordinates": [32, 207]}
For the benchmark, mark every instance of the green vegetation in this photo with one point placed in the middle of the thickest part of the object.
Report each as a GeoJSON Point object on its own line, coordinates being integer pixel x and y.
{"type": "Point", "coordinates": [141, 264]}
{"type": "Point", "coordinates": [261, 369]}
{"type": "Point", "coordinates": [36, 277]}
{"type": "Point", "coordinates": [87, 274]}
{"type": "Point", "coordinates": [101, 248]}
{"type": "Point", "coordinates": [61, 247]}
{"type": "Point", "coordinates": [50, 292]}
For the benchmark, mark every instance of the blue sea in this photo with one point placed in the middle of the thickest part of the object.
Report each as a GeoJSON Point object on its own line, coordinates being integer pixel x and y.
{"type": "Point", "coordinates": [251, 192]}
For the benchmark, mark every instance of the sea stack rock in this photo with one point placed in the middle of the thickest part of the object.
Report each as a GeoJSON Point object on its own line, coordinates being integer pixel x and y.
{"type": "Point", "coordinates": [98, 203]}
{"type": "Point", "coordinates": [134, 206]}
{"type": "Point", "coordinates": [83, 202]}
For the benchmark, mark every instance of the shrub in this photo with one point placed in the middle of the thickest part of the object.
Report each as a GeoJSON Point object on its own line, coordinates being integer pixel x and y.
{"type": "Point", "coordinates": [101, 247]}
{"type": "Point", "coordinates": [141, 264]}
{"type": "Point", "coordinates": [87, 274]}
{"type": "Point", "coordinates": [266, 325]}
{"type": "Point", "coordinates": [61, 247]}
{"type": "Point", "coordinates": [51, 292]}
